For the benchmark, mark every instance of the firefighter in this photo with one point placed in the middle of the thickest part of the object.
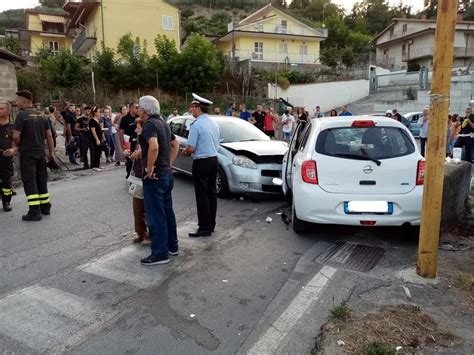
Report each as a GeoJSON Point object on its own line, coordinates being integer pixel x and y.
{"type": "Point", "coordinates": [7, 151]}
{"type": "Point", "coordinates": [30, 131]}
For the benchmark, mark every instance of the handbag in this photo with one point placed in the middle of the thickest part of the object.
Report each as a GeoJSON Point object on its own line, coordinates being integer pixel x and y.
{"type": "Point", "coordinates": [136, 187]}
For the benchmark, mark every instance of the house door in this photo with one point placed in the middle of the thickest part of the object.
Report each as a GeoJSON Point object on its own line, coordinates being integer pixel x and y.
{"type": "Point", "coordinates": [304, 53]}
{"type": "Point", "coordinates": [258, 52]}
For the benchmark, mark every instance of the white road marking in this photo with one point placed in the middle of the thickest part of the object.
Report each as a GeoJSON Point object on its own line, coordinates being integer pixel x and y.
{"type": "Point", "coordinates": [272, 338]}
{"type": "Point", "coordinates": [48, 319]}
{"type": "Point", "coordinates": [124, 266]}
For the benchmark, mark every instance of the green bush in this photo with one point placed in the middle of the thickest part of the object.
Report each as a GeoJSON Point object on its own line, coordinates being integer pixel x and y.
{"type": "Point", "coordinates": [378, 349]}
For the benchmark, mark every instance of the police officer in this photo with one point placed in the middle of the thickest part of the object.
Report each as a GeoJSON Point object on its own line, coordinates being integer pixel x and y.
{"type": "Point", "coordinates": [30, 131]}
{"type": "Point", "coordinates": [7, 151]}
{"type": "Point", "coordinates": [203, 143]}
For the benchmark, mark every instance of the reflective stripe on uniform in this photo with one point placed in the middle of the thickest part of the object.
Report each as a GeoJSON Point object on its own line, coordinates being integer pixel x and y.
{"type": "Point", "coordinates": [33, 203]}
{"type": "Point", "coordinates": [41, 196]}
{"type": "Point", "coordinates": [7, 192]}
{"type": "Point", "coordinates": [32, 197]}
{"type": "Point", "coordinates": [44, 198]}
{"type": "Point", "coordinates": [44, 201]}
{"type": "Point", "coordinates": [33, 200]}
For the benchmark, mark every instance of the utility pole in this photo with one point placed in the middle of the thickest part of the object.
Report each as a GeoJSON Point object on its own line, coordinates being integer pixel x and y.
{"type": "Point", "coordinates": [436, 144]}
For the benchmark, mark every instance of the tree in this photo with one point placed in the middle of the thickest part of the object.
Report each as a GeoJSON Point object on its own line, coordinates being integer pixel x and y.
{"type": "Point", "coordinates": [10, 44]}
{"type": "Point", "coordinates": [330, 57]}
{"type": "Point", "coordinates": [134, 63]}
{"type": "Point", "coordinates": [347, 56]}
{"type": "Point", "coordinates": [65, 69]}
{"type": "Point", "coordinates": [52, 3]}
{"type": "Point", "coordinates": [106, 68]}
{"type": "Point", "coordinates": [376, 14]}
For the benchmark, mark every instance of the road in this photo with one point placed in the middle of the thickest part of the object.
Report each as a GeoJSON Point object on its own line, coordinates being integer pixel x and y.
{"type": "Point", "coordinates": [73, 282]}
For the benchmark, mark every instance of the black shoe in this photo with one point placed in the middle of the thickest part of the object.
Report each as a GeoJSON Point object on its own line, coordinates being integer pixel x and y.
{"type": "Point", "coordinates": [173, 252]}
{"type": "Point", "coordinates": [46, 209]}
{"type": "Point", "coordinates": [153, 260]}
{"type": "Point", "coordinates": [117, 163]}
{"type": "Point", "coordinates": [7, 207]}
{"type": "Point", "coordinates": [86, 166]}
{"type": "Point", "coordinates": [32, 217]}
{"type": "Point", "coordinates": [200, 233]}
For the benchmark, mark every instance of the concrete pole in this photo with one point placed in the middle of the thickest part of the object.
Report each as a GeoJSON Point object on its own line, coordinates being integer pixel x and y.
{"type": "Point", "coordinates": [436, 144]}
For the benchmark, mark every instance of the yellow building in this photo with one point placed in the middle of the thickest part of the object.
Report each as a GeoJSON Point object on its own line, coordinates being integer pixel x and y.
{"type": "Point", "coordinates": [93, 22]}
{"type": "Point", "coordinates": [44, 30]}
{"type": "Point", "coordinates": [272, 35]}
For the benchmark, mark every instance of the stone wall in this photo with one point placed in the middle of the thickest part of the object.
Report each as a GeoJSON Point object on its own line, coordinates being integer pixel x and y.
{"type": "Point", "coordinates": [8, 82]}
{"type": "Point", "coordinates": [457, 183]}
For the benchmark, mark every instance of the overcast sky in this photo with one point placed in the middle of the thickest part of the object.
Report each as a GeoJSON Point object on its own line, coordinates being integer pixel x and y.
{"type": "Point", "coordinates": [23, 4]}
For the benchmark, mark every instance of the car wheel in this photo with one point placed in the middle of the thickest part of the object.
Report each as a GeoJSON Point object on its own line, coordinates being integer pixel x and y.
{"type": "Point", "coordinates": [222, 187]}
{"type": "Point", "coordinates": [299, 226]}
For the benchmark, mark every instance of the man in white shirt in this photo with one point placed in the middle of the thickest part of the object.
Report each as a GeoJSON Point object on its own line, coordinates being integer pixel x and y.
{"type": "Point", "coordinates": [288, 122]}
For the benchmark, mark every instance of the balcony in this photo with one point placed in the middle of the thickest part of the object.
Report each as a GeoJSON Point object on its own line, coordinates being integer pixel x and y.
{"type": "Point", "coordinates": [278, 28]}
{"type": "Point", "coordinates": [84, 41]}
{"type": "Point", "coordinates": [427, 52]}
{"type": "Point", "coordinates": [276, 57]}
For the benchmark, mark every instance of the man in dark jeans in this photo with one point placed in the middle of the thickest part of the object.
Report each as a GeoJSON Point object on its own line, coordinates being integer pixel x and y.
{"type": "Point", "coordinates": [159, 148]}
{"type": "Point", "coordinates": [127, 127]}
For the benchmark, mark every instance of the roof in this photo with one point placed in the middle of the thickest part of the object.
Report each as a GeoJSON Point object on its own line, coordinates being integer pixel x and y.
{"type": "Point", "coordinates": [4, 54]}
{"type": "Point", "coordinates": [427, 21]}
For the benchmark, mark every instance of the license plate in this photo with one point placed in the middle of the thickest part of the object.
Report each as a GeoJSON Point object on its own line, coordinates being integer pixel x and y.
{"type": "Point", "coordinates": [378, 207]}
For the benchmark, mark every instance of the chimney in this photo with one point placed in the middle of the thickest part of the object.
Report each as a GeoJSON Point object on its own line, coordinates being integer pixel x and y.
{"type": "Point", "coordinates": [424, 16]}
{"type": "Point", "coordinates": [460, 16]}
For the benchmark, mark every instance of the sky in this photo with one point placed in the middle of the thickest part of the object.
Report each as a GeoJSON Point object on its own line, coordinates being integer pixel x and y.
{"type": "Point", "coordinates": [23, 4]}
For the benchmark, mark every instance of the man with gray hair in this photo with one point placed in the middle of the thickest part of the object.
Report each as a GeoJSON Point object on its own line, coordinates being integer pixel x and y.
{"type": "Point", "coordinates": [159, 149]}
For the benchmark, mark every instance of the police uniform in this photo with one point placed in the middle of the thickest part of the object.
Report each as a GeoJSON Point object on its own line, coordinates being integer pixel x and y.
{"type": "Point", "coordinates": [204, 137]}
{"type": "Point", "coordinates": [6, 165]}
{"type": "Point", "coordinates": [33, 127]}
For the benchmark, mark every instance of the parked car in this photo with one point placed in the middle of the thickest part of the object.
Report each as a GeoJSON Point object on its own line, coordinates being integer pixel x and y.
{"type": "Point", "coordinates": [248, 159]}
{"type": "Point", "coordinates": [413, 117]}
{"type": "Point", "coordinates": [404, 121]}
{"type": "Point", "coordinates": [358, 170]}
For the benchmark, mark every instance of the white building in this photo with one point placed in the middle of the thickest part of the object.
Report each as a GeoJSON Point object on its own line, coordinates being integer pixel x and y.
{"type": "Point", "coordinates": [412, 41]}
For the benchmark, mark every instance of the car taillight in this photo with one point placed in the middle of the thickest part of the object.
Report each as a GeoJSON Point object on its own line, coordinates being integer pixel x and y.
{"type": "Point", "coordinates": [368, 223]}
{"type": "Point", "coordinates": [420, 172]}
{"type": "Point", "coordinates": [309, 172]}
{"type": "Point", "coordinates": [363, 123]}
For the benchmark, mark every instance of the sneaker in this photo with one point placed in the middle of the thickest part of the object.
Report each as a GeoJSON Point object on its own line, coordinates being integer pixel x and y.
{"type": "Point", "coordinates": [153, 260]}
{"type": "Point", "coordinates": [174, 252]}
{"type": "Point", "coordinates": [97, 169]}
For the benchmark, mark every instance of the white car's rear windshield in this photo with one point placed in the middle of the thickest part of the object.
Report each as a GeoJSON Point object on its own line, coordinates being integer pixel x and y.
{"type": "Point", "coordinates": [373, 142]}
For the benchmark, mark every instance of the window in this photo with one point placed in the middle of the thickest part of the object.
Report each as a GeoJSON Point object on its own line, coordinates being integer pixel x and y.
{"type": "Point", "coordinates": [187, 127]}
{"type": "Point", "coordinates": [177, 126]}
{"type": "Point", "coordinates": [405, 28]}
{"type": "Point", "coordinates": [53, 27]}
{"type": "Point", "coordinates": [258, 53]}
{"type": "Point", "coordinates": [373, 142]}
{"type": "Point", "coordinates": [259, 27]}
{"type": "Point", "coordinates": [303, 50]}
{"type": "Point", "coordinates": [53, 47]}
{"type": "Point", "coordinates": [283, 48]}
{"type": "Point", "coordinates": [167, 22]}
{"type": "Point", "coordinates": [284, 26]}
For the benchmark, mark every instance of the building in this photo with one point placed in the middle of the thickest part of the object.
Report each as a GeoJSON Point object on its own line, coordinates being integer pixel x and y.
{"type": "Point", "coordinates": [412, 41]}
{"type": "Point", "coordinates": [274, 36]}
{"type": "Point", "coordinates": [43, 31]}
{"type": "Point", "coordinates": [96, 22]}
{"type": "Point", "coordinates": [8, 64]}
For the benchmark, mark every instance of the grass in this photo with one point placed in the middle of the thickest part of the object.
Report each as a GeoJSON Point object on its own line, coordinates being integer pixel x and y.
{"type": "Point", "coordinates": [391, 326]}
{"type": "Point", "coordinates": [341, 312]}
{"type": "Point", "coordinates": [376, 348]}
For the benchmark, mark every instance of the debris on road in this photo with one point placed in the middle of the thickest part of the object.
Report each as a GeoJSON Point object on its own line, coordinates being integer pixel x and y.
{"type": "Point", "coordinates": [452, 246]}
{"type": "Point", "coordinates": [407, 291]}
{"type": "Point", "coordinates": [279, 213]}
{"type": "Point", "coordinates": [340, 343]}
{"type": "Point", "coordinates": [398, 348]}
{"type": "Point", "coordinates": [285, 218]}
{"type": "Point", "coordinates": [192, 315]}
{"type": "Point", "coordinates": [225, 280]}
{"type": "Point", "coordinates": [241, 198]}
{"type": "Point", "coordinates": [268, 219]}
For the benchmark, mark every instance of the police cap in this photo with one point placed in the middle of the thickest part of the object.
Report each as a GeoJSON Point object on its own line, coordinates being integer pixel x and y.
{"type": "Point", "coordinates": [201, 100]}
{"type": "Point", "coordinates": [26, 94]}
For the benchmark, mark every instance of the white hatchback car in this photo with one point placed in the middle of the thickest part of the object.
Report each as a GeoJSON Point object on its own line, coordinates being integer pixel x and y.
{"type": "Point", "coordinates": [354, 170]}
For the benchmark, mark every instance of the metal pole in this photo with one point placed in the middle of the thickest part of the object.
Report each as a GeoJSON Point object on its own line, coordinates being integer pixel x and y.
{"type": "Point", "coordinates": [436, 144]}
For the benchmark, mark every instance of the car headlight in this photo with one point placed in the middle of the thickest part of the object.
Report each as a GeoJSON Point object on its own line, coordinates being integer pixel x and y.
{"type": "Point", "coordinates": [244, 162]}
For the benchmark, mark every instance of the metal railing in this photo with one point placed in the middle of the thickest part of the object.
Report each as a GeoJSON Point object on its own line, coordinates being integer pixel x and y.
{"type": "Point", "coordinates": [276, 57]}
{"type": "Point", "coordinates": [415, 53]}
{"type": "Point", "coordinates": [277, 27]}
{"type": "Point", "coordinates": [81, 38]}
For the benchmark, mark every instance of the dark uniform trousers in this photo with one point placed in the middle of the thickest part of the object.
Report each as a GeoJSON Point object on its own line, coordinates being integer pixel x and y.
{"type": "Point", "coordinates": [204, 178]}
{"type": "Point", "coordinates": [35, 179]}
{"type": "Point", "coordinates": [6, 172]}
{"type": "Point", "coordinates": [86, 145]}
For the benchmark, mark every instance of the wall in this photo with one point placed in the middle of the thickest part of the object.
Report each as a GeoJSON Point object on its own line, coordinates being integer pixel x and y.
{"type": "Point", "coordinates": [457, 179]}
{"type": "Point", "coordinates": [329, 96]}
{"type": "Point", "coordinates": [144, 21]}
{"type": "Point", "coordinates": [8, 80]}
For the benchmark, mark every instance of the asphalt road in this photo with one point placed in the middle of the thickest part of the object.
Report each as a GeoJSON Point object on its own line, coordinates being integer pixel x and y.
{"type": "Point", "coordinates": [73, 282]}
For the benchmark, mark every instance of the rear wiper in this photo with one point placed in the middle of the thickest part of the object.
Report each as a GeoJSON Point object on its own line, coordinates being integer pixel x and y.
{"type": "Point", "coordinates": [359, 157]}
{"type": "Point", "coordinates": [249, 140]}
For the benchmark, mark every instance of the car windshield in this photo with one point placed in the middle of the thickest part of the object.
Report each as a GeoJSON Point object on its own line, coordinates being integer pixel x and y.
{"type": "Point", "coordinates": [235, 131]}
{"type": "Point", "coordinates": [371, 143]}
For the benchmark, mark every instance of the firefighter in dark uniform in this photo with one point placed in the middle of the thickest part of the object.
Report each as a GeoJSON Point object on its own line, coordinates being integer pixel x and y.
{"type": "Point", "coordinates": [30, 131]}
{"type": "Point", "coordinates": [7, 151]}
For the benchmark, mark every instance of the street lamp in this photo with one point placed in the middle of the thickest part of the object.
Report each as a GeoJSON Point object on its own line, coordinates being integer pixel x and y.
{"type": "Point", "coordinates": [324, 18]}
